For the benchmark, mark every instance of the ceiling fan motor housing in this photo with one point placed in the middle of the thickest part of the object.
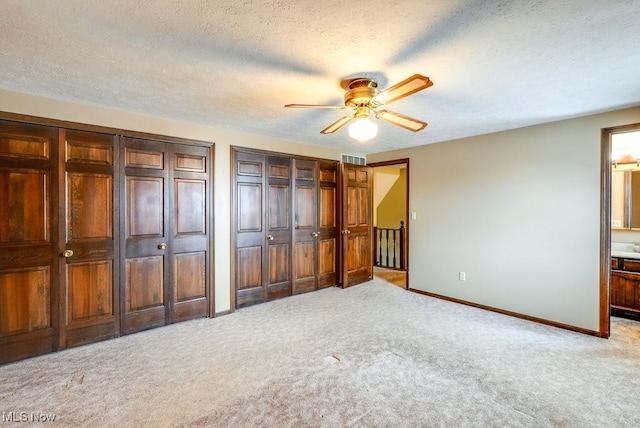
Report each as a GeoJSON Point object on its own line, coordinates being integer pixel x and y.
{"type": "Point", "coordinates": [360, 93]}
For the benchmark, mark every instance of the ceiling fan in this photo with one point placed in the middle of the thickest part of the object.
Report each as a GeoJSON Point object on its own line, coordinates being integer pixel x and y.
{"type": "Point", "coordinates": [364, 97]}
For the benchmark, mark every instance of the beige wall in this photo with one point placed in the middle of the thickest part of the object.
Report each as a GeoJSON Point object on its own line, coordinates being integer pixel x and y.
{"type": "Point", "coordinates": [384, 178]}
{"type": "Point", "coordinates": [392, 208]}
{"type": "Point", "coordinates": [223, 139]}
{"type": "Point", "coordinates": [518, 211]}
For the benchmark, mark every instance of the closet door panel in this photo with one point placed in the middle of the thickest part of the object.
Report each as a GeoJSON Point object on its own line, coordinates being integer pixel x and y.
{"type": "Point", "coordinates": [145, 222]}
{"type": "Point", "coordinates": [24, 209]}
{"type": "Point", "coordinates": [278, 232]}
{"type": "Point", "coordinates": [87, 303]}
{"type": "Point", "coordinates": [145, 284]}
{"type": "Point", "coordinates": [89, 279]}
{"type": "Point", "coordinates": [190, 202]}
{"type": "Point", "coordinates": [249, 276]}
{"type": "Point", "coordinates": [306, 226]}
{"type": "Point", "coordinates": [328, 224]}
{"type": "Point", "coordinates": [28, 240]}
{"type": "Point", "coordinates": [89, 207]}
{"type": "Point", "coordinates": [189, 277]}
{"type": "Point", "coordinates": [28, 291]}
{"type": "Point", "coordinates": [249, 207]}
{"type": "Point", "coordinates": [145, 207]}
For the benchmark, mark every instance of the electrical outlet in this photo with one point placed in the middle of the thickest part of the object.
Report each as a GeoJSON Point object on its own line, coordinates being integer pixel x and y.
{"type": "Point", "coordinates": [462, 276]}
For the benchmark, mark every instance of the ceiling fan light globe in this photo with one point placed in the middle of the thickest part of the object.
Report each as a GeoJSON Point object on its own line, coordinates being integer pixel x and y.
{"type": "Point", "coordinates": [363, 129]}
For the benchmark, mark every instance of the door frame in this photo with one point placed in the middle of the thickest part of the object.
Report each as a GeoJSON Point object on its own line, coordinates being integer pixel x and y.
{"type": "Point", "coordinates": [605, 224]}
{"type": "Point", "coordinates": [391, 163]}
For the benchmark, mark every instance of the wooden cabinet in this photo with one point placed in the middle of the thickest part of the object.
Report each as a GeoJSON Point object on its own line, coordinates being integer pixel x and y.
{"type": "Point", "coordinates": [100, 235]}
{"type": "Point", "coordinates": [625, 285]}
{"type": "Point", "coordinates": [284, 225]}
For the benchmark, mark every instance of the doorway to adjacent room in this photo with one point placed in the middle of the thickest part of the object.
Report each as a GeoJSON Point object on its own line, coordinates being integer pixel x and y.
{"type": "Point", "coordinates": [390, 219]}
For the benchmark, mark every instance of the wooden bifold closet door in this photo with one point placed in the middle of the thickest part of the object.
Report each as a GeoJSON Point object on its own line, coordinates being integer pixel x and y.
{"type": "Point", "coordinates": [262, 214]}
{"type": "Point", "coordinates": [100, 235]}
{"type": "Point", "coordinates": [165, 243]}
{"type": "Point", "coordinates": [29, 314]}
{"type": "Point", "coordinates": [89, 283]}
{"type": "Point", "coordinates": [284, 225]}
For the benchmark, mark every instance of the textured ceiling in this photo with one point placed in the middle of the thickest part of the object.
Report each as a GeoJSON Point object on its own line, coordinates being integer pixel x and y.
{"type": "Point", "coordinates": [495, 64]}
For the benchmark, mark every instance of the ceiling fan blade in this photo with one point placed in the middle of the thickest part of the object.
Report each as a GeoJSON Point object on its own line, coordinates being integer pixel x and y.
{"type": "Point", "coordinates": [338, 124]}
{"type": "Point", "coordinates": [401, 120]}
{"type": "Point", "coordinates": [409, 86]}
{"type": "Point", "coordinates": [313, 106]}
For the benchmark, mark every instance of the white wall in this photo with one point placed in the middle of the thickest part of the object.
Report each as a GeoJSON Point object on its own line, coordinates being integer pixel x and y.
{"type": "Point", "coordinates": [518, 211]}
{"type": "Point", "coordinates": [37, 106]}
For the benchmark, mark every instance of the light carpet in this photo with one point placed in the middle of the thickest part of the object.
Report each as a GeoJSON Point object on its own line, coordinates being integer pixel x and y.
{"type": "Point", "coordinates": [372, 355]}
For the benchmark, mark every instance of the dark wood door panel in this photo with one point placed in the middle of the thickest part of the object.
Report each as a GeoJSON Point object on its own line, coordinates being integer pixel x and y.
{"type": "Point", "coordinates": [357, 233]}
{"type": "Point", "coordinates": [189, 280]}
{"type": "Point", "coordinates": [144, 294]}
{"type": "Point", "coordinates": [248, 224]}
{"type": "Point", "coordinates": [89, 278]}
{"type": "Point", "coordinates": [189, 201]}
{"type": "Point", "coordinates": [279, 271]}
{"type": "Point", "coordinates": [146, 241]}
{"type": "Point", "coordinates": [89, 207]}
{"type": "Point", "coordinates": [24, 212]}
{"type": "Point", "coordinates": [305, 214]}
{"type": "Point", "coordinates": [305, 262]}
{"type": "Point", "coordinates": [328, 225]}
{"type": "Point", "coordinates": [278, 217]}
{"type": "Point", "coordinates": [189, 285]}
{"type": "Point", "coordinates": [144, 154]}
{"type": "Point", "coordinates": [167, 220]}
{"type": "Point", "coordinates": [278, 228]}
{"type": "Point", "coordinates": [327, 263]}
{"type": "Point", "coordinates": [144, 283]}
{"type": "Point", "coordinates": [145, 200]}
{"type": "Point", "coordinates": [87, 303]}
{"type": "Point", "coordinates": [28, 240]}
{"type": "Point", "coordinates": [250, 207]}
{"type": "Point", "coordinates": [26, 142]}
{"type": "Point", "coordinates": [25, 300]}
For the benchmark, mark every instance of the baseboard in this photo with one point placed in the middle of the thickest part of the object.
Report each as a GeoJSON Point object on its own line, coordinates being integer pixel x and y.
{"type": "Point", "coordinates": [512, 314]}
{"type": "Point", "coordinates": [222, 313]}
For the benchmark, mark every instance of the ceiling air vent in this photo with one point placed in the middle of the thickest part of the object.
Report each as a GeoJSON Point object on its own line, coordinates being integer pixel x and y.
{"type": "Point", "coordinates": [358, 160]}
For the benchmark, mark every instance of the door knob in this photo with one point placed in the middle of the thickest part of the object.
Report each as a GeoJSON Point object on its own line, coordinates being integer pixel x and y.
{"type": "Point", "coordinates": [314, 234]}
{"type": "Point", "coordinates": [269, 237]}
{"type": "Point", "coordinates": [162, 246]}
{"type": "Point", "coordinates": [67, 253]}
{"type": "Point", "coordinates": [346, 232]}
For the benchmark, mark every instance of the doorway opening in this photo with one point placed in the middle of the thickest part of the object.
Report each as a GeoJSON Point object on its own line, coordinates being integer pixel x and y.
{"type": "Point", "coordinates": [390, 221]}
{"type": "Point", "coordinates": [620, 233]}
